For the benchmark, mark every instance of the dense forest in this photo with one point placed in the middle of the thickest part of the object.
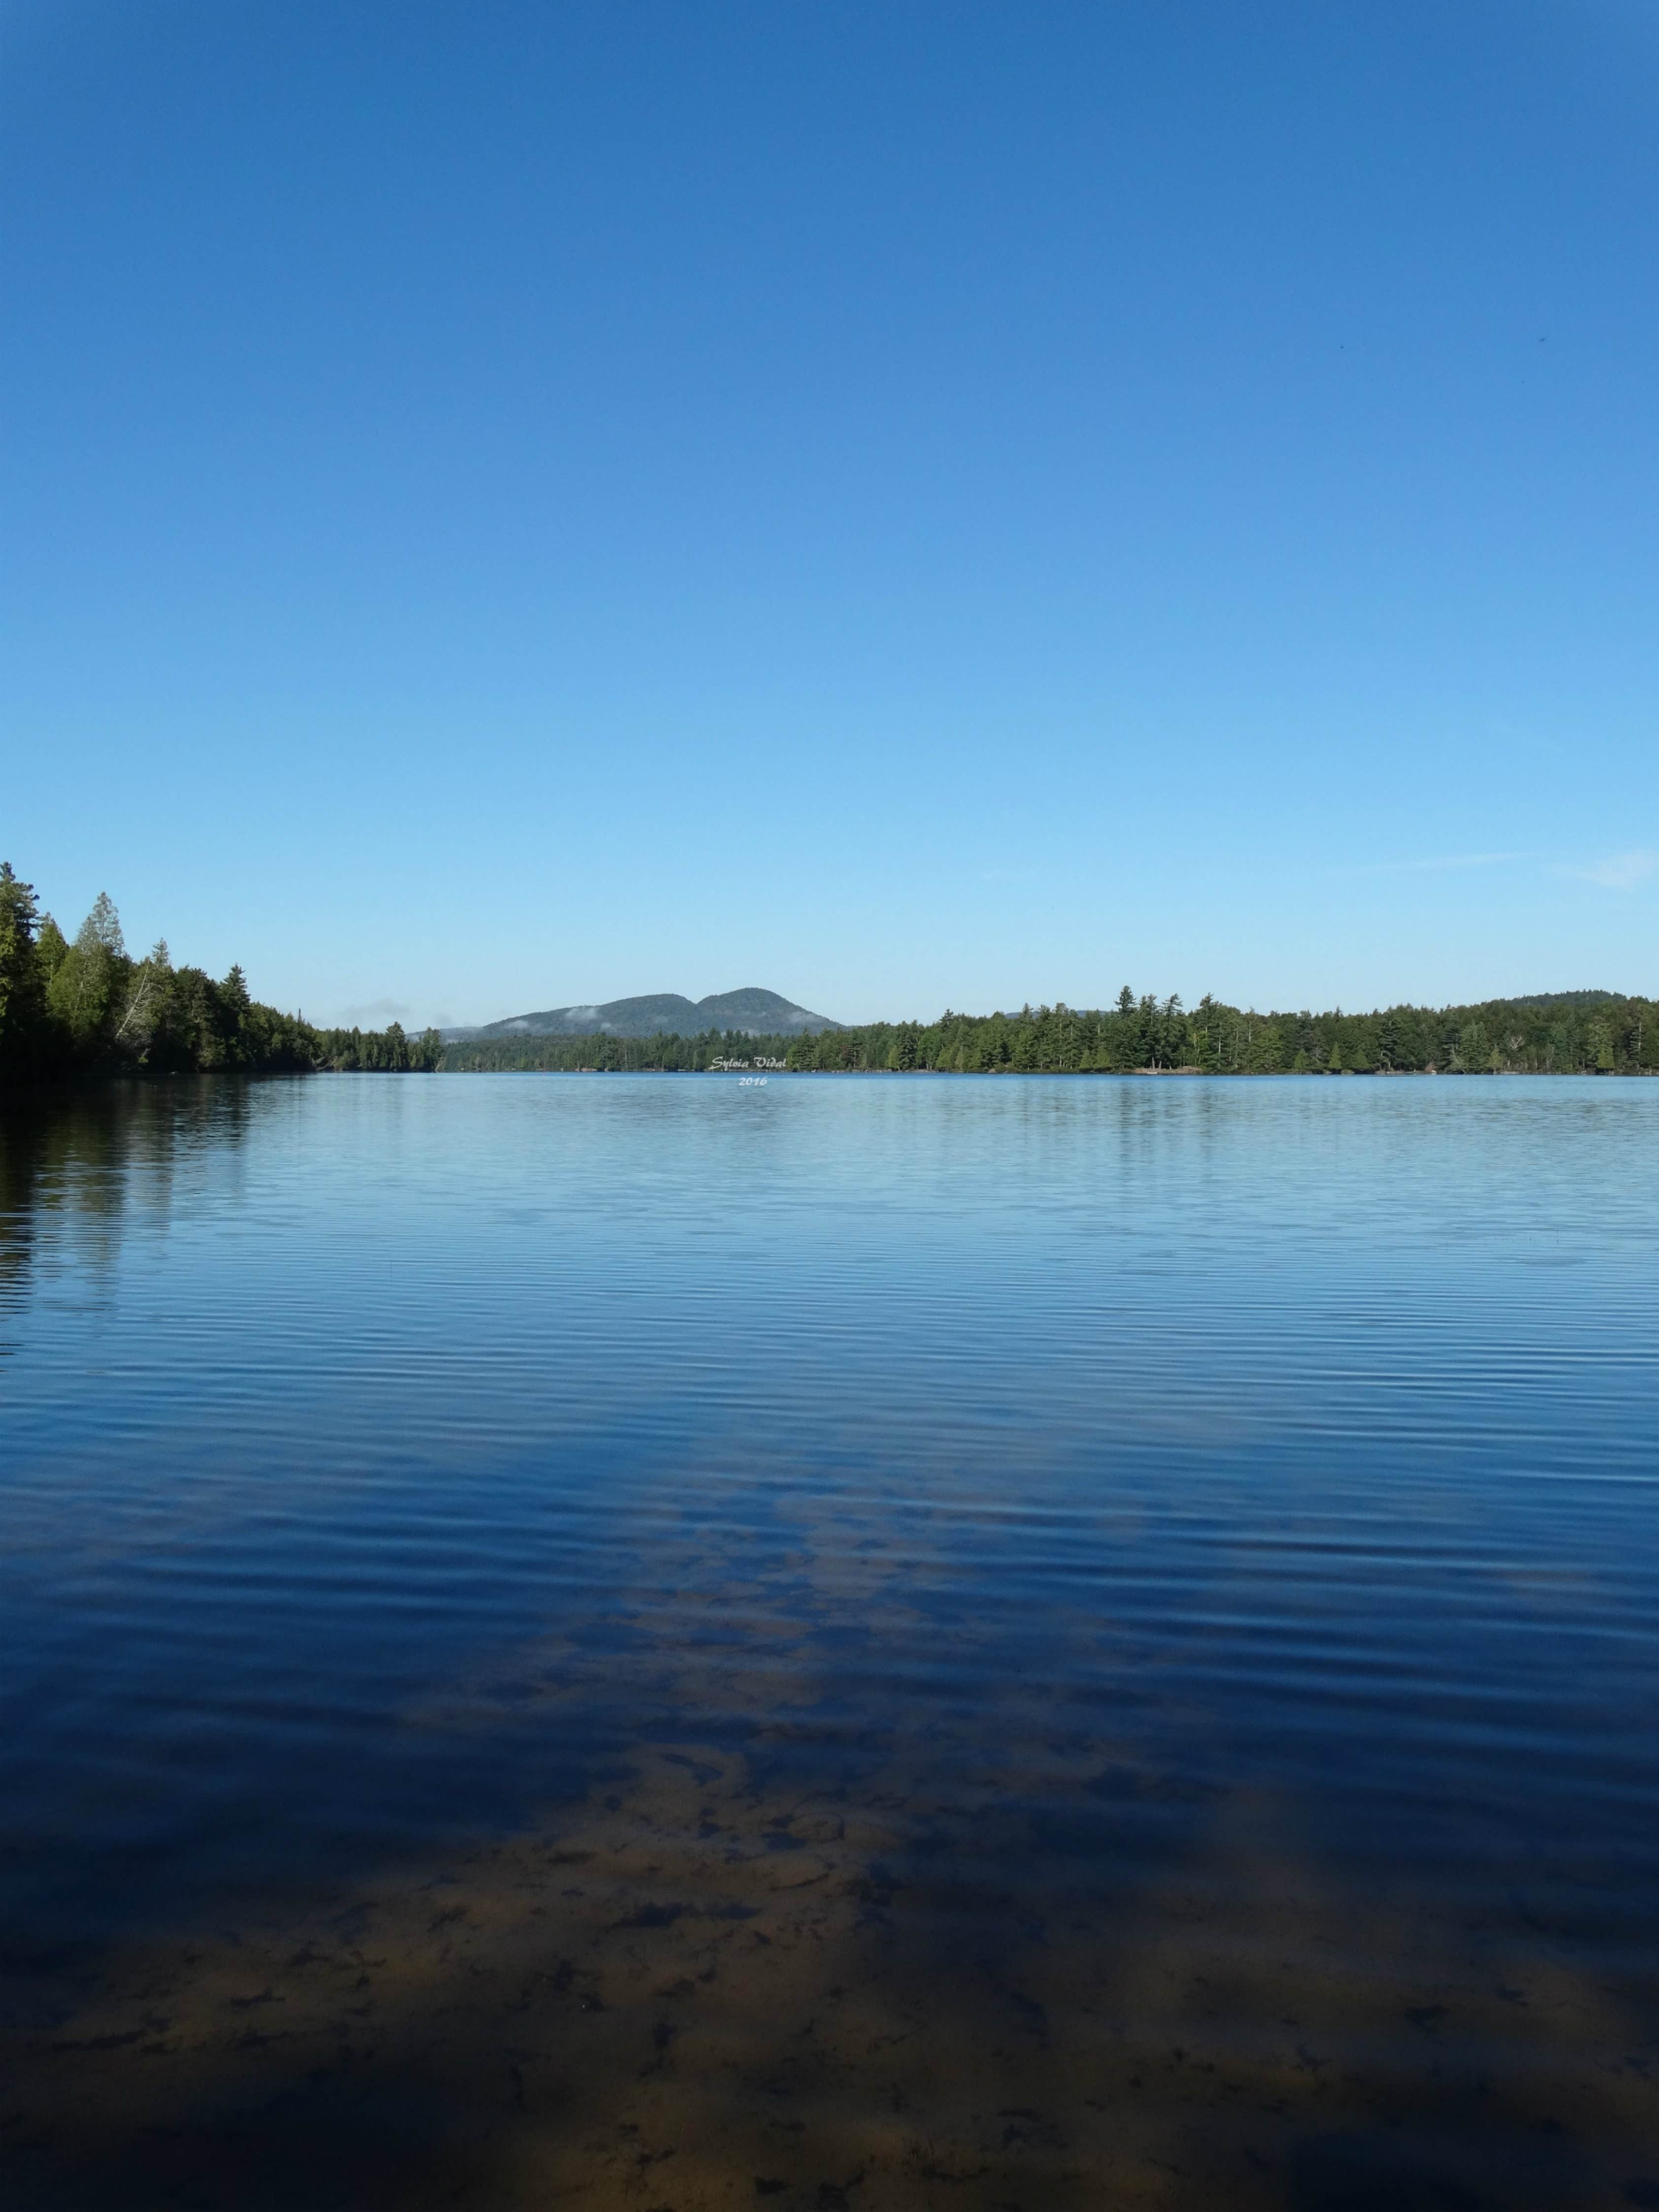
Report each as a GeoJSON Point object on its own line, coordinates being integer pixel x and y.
{"type": "Point", "coordinates": [84, 1006]}
{"type": "Point", "coordinates": [1563, 1033]}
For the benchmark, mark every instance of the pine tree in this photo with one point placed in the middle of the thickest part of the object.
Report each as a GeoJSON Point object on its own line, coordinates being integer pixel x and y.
{"type": "Point", "coordinates": [22, 995]}
{"type": "Point", "coordinates": [101, 930]}
{"type": "Point", "coordinates": [83, 983]}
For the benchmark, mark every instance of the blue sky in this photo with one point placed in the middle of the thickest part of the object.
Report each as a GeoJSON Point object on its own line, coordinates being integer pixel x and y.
{"type": "Point", "coordinates": [908, 505]}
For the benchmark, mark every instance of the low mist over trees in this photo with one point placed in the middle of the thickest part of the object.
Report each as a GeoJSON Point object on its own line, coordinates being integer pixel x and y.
{"type": "Point", "coordinates": [85, 1006]}
{"type": "Point", "coordinates": [1568, 1033]}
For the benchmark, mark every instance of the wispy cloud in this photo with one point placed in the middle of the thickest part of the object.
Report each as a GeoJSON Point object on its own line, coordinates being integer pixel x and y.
{"type": "Point", "coordinates": [1619, 871]}
{"type": "Point", "coordinates": [375, 1013]}
{"type": "Point", "coordinates": [1438, 863]}
{"type": "Point", "coordinates": [1005, 875]}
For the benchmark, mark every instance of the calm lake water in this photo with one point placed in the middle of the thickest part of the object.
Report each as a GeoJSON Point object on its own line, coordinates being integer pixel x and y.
{"type": "Point", "coordinates": [875, 1643]}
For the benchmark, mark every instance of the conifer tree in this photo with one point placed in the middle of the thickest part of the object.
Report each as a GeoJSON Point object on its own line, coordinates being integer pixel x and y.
{"type": "Point", "coordinates": [23, 996]}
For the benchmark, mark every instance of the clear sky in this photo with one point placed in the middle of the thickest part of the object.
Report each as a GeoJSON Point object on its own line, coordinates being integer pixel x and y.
{"type": "Point", "coordinates": [513, 503]}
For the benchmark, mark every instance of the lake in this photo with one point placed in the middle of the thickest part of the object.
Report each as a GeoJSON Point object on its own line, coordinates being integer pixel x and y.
{"type": "Point", "coordinates": [850, 1642]}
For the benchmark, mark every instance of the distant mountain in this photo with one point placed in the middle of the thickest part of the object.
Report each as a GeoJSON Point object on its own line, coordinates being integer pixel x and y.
{"type": "Point", "coordinates": [757, 1013]}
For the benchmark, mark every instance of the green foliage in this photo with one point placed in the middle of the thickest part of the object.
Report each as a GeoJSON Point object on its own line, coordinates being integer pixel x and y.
{"type": "Point", "coordinates": [87, 1008]}
{"type": "Point", "coordinates": [23, 975]}
{"type": "Point", "coordinates": [1577, 1033]}
{"type": "Point", "coordinates": [379, 1051]}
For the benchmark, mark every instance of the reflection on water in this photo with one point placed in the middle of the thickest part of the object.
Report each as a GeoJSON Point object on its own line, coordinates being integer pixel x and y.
{"type": "Point", "coordinates": [892, 1644]}
{"type": "Point", "coordinates": [71, 1163]}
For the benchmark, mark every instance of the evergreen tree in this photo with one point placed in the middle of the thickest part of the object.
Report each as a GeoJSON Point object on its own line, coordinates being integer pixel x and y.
{"type": "Point", "coordinates": [102, 928]}
{"type": "Point", "coordinates": [23, 983]}
{"type": "Point", "coordinates": [82, 993]}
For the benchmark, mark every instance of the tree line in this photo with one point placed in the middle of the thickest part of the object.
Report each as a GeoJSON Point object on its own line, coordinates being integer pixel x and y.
{"type": "Point", "coordinates": [81, 1006]}
{"type": "Point", "coordinates": [71, 1007]}
{"type": "Point", "coordinates": [1560, 1033]}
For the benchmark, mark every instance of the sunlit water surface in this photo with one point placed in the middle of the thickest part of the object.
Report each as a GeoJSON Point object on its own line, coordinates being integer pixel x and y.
{"type": "Point", "coordinates": [884, 1643]}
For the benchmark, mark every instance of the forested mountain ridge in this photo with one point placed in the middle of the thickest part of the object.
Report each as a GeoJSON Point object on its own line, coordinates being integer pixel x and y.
{"type": "Point", "coordinates": [84, 1007]}
{"type": "Point", "coordinates": [752, 1013]}
{"type": "Point", "coordinates": [1562, 1033]}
